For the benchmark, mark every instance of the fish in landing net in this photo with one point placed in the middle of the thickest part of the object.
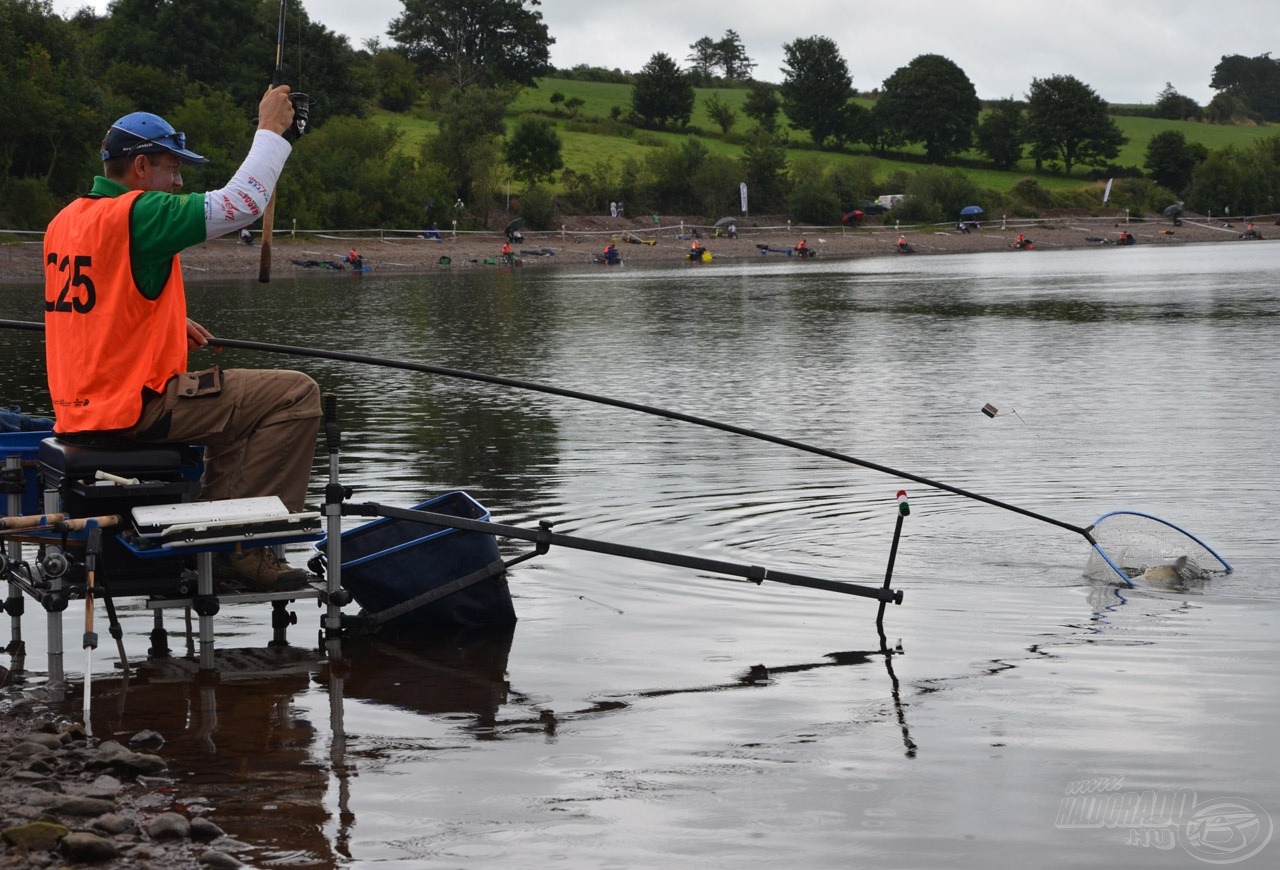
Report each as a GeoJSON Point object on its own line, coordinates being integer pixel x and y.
{"type": "Point", "coordinates": [1176, 571]}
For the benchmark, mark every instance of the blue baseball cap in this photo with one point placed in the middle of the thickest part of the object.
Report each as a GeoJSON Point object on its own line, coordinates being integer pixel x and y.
{"type": "Point", "coordinates": [145, 133]}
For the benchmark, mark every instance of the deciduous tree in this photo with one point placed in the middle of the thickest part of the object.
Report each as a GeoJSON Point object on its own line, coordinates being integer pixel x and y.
{"type": "Point", "coordinates": [54, 107]}
{"type": "Point", "coordinates": [999, 133]}
{"type": "Point", "coordinates": [764, 162]}
{"type": "Point", "coordinates": [1068, 121]}
{"type": "Point", "coordinates": [762, 105]}
{"type": "Point", "coordinates": [720, 113]}
{"type": "Point", "coordinates": [931, 100]}
{"type": "Point", "coordinates": [1254, 80]}
{"type": "Point", "coordinates": [1173, 106]}
{"type": "Point", "coordinates": [816, 85]}
{"type": "Point", "coordinates": [476, 42]}
{"type": "Point", "coordinates": [533, 150]}
{"type": "Point", "coordinates": [662, 94]}
{"type": "Point", "coordinates": [221, 43]}
{"type": "Point", "coordinates": [704, 57]}
{"type": "Point", "coordinates": [1244, 180]}
{"type": "Point", "coordinates": [466, 146]}
{"type": "Point", "coordinates": [732, 57]}
{"type": "Point", "coordinates": [1171, 160]}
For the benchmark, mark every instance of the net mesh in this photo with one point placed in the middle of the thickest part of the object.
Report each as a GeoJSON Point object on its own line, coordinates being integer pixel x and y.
{"type": "Point", "coordinates": [1149, 550]}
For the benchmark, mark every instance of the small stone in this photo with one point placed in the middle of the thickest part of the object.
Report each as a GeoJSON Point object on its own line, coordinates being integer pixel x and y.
{"type": "Point", "coordinates": [147, 737]}
{"type": "Point", "coordinates": [104, 786]}
{"type": "Point", "coordinates": [204, 830]}
{"type": "Point", "coordinates": [28, 749]}
{"type": "Point", "coordinates": [81, 806]}
{"type": "Point", "coordinates": [220, 860]}
{"type": "Point", "coordinates": [113, 824]}
{"type": "Point", "coordinates": [231, 844]}
{"type": "Point", "coordinates": [169, 826]}
{"type": "Point", "coordinates": [145, 852]}
{"type": "Point", "coordinates": [44, 783]}
{"type": "Point", "coordinates": [35, 837]}
{"type": "Point", "coordinates": [40, 738]}
{"type": "Point", "coordinates": [83, 846]}
{"type": "Point", "coordinates": [114, 757]}
{"type": "Point", "coordinates": [40, 764]}
{"type": "Point", "coordinates": [21, 706]}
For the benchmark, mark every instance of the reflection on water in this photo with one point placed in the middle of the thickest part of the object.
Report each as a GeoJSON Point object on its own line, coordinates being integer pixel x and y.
{"type": "Point", "coordinates": [645, 716]}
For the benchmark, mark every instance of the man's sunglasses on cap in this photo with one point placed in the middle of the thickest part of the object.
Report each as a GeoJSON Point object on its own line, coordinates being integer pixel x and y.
{"type": "Point", "coordinates": [144, 133]}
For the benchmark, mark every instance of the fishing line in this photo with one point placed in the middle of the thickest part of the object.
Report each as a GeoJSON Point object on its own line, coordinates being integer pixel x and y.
{"type": "Point", "coordinates": [344, 356]}
{"type": "Point", "coordinates": [601, 604]}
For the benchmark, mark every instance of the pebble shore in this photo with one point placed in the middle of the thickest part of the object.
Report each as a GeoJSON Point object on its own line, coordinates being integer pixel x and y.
{"type": "Point", "coordinates": [581, 241]}
{"type": "Point", "coordinates": [69, 799]}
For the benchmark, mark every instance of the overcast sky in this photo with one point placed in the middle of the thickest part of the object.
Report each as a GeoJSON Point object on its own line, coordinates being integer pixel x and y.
{"type": "Point", "coordinates": [1126, 50]}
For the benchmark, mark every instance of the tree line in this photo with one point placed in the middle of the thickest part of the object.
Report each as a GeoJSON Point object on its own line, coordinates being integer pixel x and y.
{"type": "Point", "coordinates": [460, 63]}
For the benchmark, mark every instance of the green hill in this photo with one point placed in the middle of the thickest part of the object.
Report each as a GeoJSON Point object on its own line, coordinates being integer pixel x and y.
{"type": "Point", "coordinates": [591, 137]}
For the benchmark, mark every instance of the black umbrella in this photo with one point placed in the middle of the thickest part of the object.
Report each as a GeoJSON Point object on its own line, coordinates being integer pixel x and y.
{"type": "Point", "coordinates": [1173, 210]}
{"type": "Point", "coordinates": [513, 227]}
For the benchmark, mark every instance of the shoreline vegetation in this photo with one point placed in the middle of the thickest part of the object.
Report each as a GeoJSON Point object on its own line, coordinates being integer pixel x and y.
{"type": "Point", "coordinates": [663, 242]}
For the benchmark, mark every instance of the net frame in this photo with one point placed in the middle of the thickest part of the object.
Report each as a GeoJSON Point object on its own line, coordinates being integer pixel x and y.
{"type": "Point", "coordinates": [1124, 575]}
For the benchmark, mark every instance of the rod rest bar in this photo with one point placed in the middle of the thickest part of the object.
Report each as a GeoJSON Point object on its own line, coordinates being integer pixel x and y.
{"type": "Point", "coordinates": [544, 537]}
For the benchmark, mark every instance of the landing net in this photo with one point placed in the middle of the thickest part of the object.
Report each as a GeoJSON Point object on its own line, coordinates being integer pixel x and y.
{"type": "Point", "coordinates": [1132, 545]}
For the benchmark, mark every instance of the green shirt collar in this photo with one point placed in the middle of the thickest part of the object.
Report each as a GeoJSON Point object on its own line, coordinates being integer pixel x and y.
{"type": "Point", "coordinates": [103, 186]}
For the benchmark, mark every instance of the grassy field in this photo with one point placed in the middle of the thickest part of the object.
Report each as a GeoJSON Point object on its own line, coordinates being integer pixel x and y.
{"type": "Point", "coordinates": [584, 150]}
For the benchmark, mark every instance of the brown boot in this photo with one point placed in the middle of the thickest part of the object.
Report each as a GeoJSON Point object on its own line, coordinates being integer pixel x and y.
{"type": "Point", "coordinates": [259, 569]}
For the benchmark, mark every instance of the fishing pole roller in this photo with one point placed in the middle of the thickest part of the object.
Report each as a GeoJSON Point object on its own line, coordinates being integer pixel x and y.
{"type": "Point", "coordinates": [55, 564]}
{"type": "Point", "coordinates": [543, 542]}
{"type": "Point", "coordinates": [14, 606]}
{"type": "Point", "coordinates": [55, 602]}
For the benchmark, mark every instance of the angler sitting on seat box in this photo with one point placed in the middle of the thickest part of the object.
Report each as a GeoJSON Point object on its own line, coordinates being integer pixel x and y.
{"type": "Point", "coordinates": [117, 332]}
{"type": "Point", "coordinates": [354, 259]}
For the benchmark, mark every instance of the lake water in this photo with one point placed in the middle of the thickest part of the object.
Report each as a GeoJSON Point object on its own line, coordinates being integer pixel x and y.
{"type": "Point", "coordinates": [1023, 714]}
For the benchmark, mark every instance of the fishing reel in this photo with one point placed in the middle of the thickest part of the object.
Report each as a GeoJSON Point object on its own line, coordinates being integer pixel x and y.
{"type": "Point", "coordinates": [302, 104]}
{"type": "Point", "coordinates": [301, 114]}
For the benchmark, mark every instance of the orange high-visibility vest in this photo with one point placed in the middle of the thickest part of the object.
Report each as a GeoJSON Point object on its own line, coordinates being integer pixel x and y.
{"type": "Point", "coordinates": [105, 342]}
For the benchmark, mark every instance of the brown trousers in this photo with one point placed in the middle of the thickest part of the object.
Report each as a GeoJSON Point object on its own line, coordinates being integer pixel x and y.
{"type": "Point", "coordinates": [258, 428]}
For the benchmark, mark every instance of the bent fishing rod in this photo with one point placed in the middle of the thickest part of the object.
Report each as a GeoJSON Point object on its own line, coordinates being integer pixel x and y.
{"type": "Point", "coordinates": [498, 380]}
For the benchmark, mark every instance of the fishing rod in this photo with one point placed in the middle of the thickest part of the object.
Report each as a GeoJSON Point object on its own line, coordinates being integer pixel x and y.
{"type": "Point", "coordinates": [426, 368]}
{"type": "Point", "coordinates": [269, 214]}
